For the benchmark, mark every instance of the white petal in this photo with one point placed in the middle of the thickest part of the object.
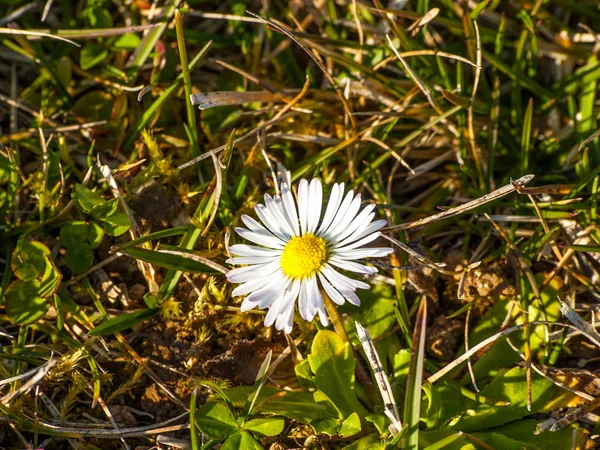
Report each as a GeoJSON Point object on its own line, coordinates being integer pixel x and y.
{"type": "Point", "coordinates": [370, 238]}
{"type": "Point", "coordinates": [303, 302]}
{"type": "Point", "coordinates": [273, 311]}
{"type": "Point", "coordinates": [315, 196]}
{"type": "Point", "coordinates": [343, 219]}
{"type": "Point", "coordinates": [337, 193]}
{"type": "Point", "coordinates": [315, 300]}
{"type": "Point", "coordinates": [247, 273]}
{"type": "Point", "coordinates": [363, 231]}
{"type": "Point", "coordinates": [333, 294]}
{"type": "Point", "coordinates": [271, 222]}
{"type": "Point", "coordinates": [341, 212]}
{"type": "Point", "coordinates": [261, 238]}
{"type": "Point", "coordinates": [250, 286]}
{"type": "Point", "coordinates": [289, 206]}
{"type": "Point", "coordinates": [359, 222]}
{"type": "Point", "coordinates": [278, 288]}
{"type": "Point", "coordinates": [360, 253]}
{"type": "Point", "coordinates": [253, 259]}
{"type": "Point", "coordinates": [252, 250]}
{"type": "Point", "coordinates": [323, 316]}
{"type": "Point", "coordinates": [352, 266]}
{"type": "Point", "coordinates": [267, 294]}
{"type": "Point", "coordinates": [342, 282]}
{"type": "Point", "coordinates": [275, 206]}
{"type": "Point", "coordinates": [303, 204]}
{"type": "Point", "coordinates": [289, 305]}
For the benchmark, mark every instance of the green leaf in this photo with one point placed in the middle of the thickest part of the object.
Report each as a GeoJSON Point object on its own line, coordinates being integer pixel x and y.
{"type": "Point", "coordinates": [268, 426]}
{"type": "Point", "coordinates": [87, 199]}
{"type": "Point", "coordinates": [92, 55]}
{"type": "Point", "coordinates": [295, 405]}
{"type": "Point", "coordinates": [23, 305]}
{"type": "Point", "coordinates": [74, 237]}
{"type": "Point", "coordinates": [28, 260]}
{"type": "Point", "coordinates": [522, 434]}
{"type": "Point", "coordinates": [329, 426]}
{"type": "Point", "coordinates": [79, 259]}
{"type": "Point", "coordinates": [258, 384]}
{"type": "Point", "coordinates": [50, 281]}
{"type": "Point", "coordinates": [74, 234]}
{"type": "Point", "coordinates": [175, 262]}
{"type": "Point", "coordinates": [371, 442]}
{"type": "Point", "coordinates": [216, 420]}
{"type": "Point", "coordinates": [95, 234]}
{"type": "Point", "coordinates": [510, 387]}
{"type": "Point", "coordinates": [129, 41]}
{"type": "Point", "coordinates": [350, 426]}
{"type": "Point", "coordinates": [116, 224]}
{"type": "Point", "coordinates": [6, 167]}
{"type": "Point", "coordinates": [241, 440]}
{"type": "Point", "coordinates": [123, 322]}
{"type": "Point", "coordinates": [332, 361]}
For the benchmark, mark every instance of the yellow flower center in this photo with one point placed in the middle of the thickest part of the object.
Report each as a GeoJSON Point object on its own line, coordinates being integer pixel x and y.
{"type": "Point", "coordinates": [303, 256]}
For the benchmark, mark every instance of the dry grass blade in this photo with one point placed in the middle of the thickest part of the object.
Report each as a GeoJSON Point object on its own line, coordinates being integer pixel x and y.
{"type": "Point", "coordinates": [495, 195]}
{"type": "Point", "coordinates": [586, 329]}
{"type": "Point", "coordinates": [40, 373]}
{"type": "Point", "coordinates": [216, 99]}
{"type": "Point", "coordinates": [483, 344]}
{"type": "Point", "coordinates": [422, 259]}
{"type": "Point", "coordinates": [261, 127]}
{"type": "Point", "coordinates": [289, 33]}
{"type": "Point", "coordinates": [37, 34]}
{"type": "Point", "coordinates": [389, 402]}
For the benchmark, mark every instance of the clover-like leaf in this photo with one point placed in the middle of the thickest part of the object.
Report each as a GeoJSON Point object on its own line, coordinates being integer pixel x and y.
{"type": "Point", "coordinates": [28, 260]}
{"type": "Point", "coordinates": [216, 420]}
{"type": "Point", "coordinates": [23, 304]}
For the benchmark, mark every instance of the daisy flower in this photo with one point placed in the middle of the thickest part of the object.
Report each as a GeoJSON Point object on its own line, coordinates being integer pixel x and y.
{"type": "Point", "coordinates": [300, 251]}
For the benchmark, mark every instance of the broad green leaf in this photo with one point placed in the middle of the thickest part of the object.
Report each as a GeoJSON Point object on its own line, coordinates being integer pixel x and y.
{"type": "Point", "coordinates": [444, 439]}
{"type": "Point", "coordinates": [174, 262]}
{"type": "Point", "coordinates": [379, 419]}
{"type": "Point", "coordinates": [6, 167]}
{"type": "Point", "coordinates": [501, 354]}
{"type": "Point", "coordinates": [268, 426]}
{"type": "Point", "coordinates": [350, 426]}
{"type": "Point", "coordinates": [370, 442]}
{"type": "Point", "coordinates": [216, 420]}
{"type": "Point", "coordinates": [88, 200]}
{"type": "Point", "coordinates": [401, 366]}
{"type": "Point", "coordinates": [304, 375]}
{"type": "Point", "coordinates": [92, 55]}
{"type": "Point", "coordinates": [28, 260]}
{"type": "Point", "coordinates": [23, 305]}
{"type": "Point", "coordinates": [332, 361]}
{"type": "Point", "coordinates": [510, 387]}
{"type": "Point", "coordinates": [95, 234]}
{"type": "Point", "coordinates": [129, 41]}
{"type": "Point", "coordinates": [116, 224]}
{"type": "Point", "coordinates": [295, 405]}
{"type": "Point", "coordinates": [241, 440]}
{"type": "Point", "coordinates": [74, 234]}
{"type": "Point", "coordinates": [328, 426]}
{"type": "Point", "coordinates": [74, 237]}
{"type": "Point", "coordinates": [258, 384]}
{"type": "Point", "coordinates": [522, 434]}
{"type": "Point", "coordinates": [50, 280]}
{"type": "Point", "coordinates": [123, 322]}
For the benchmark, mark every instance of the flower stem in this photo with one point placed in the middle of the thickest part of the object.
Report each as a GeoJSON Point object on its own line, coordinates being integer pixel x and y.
{"type": "Point", "coordinates": [335, 317]}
